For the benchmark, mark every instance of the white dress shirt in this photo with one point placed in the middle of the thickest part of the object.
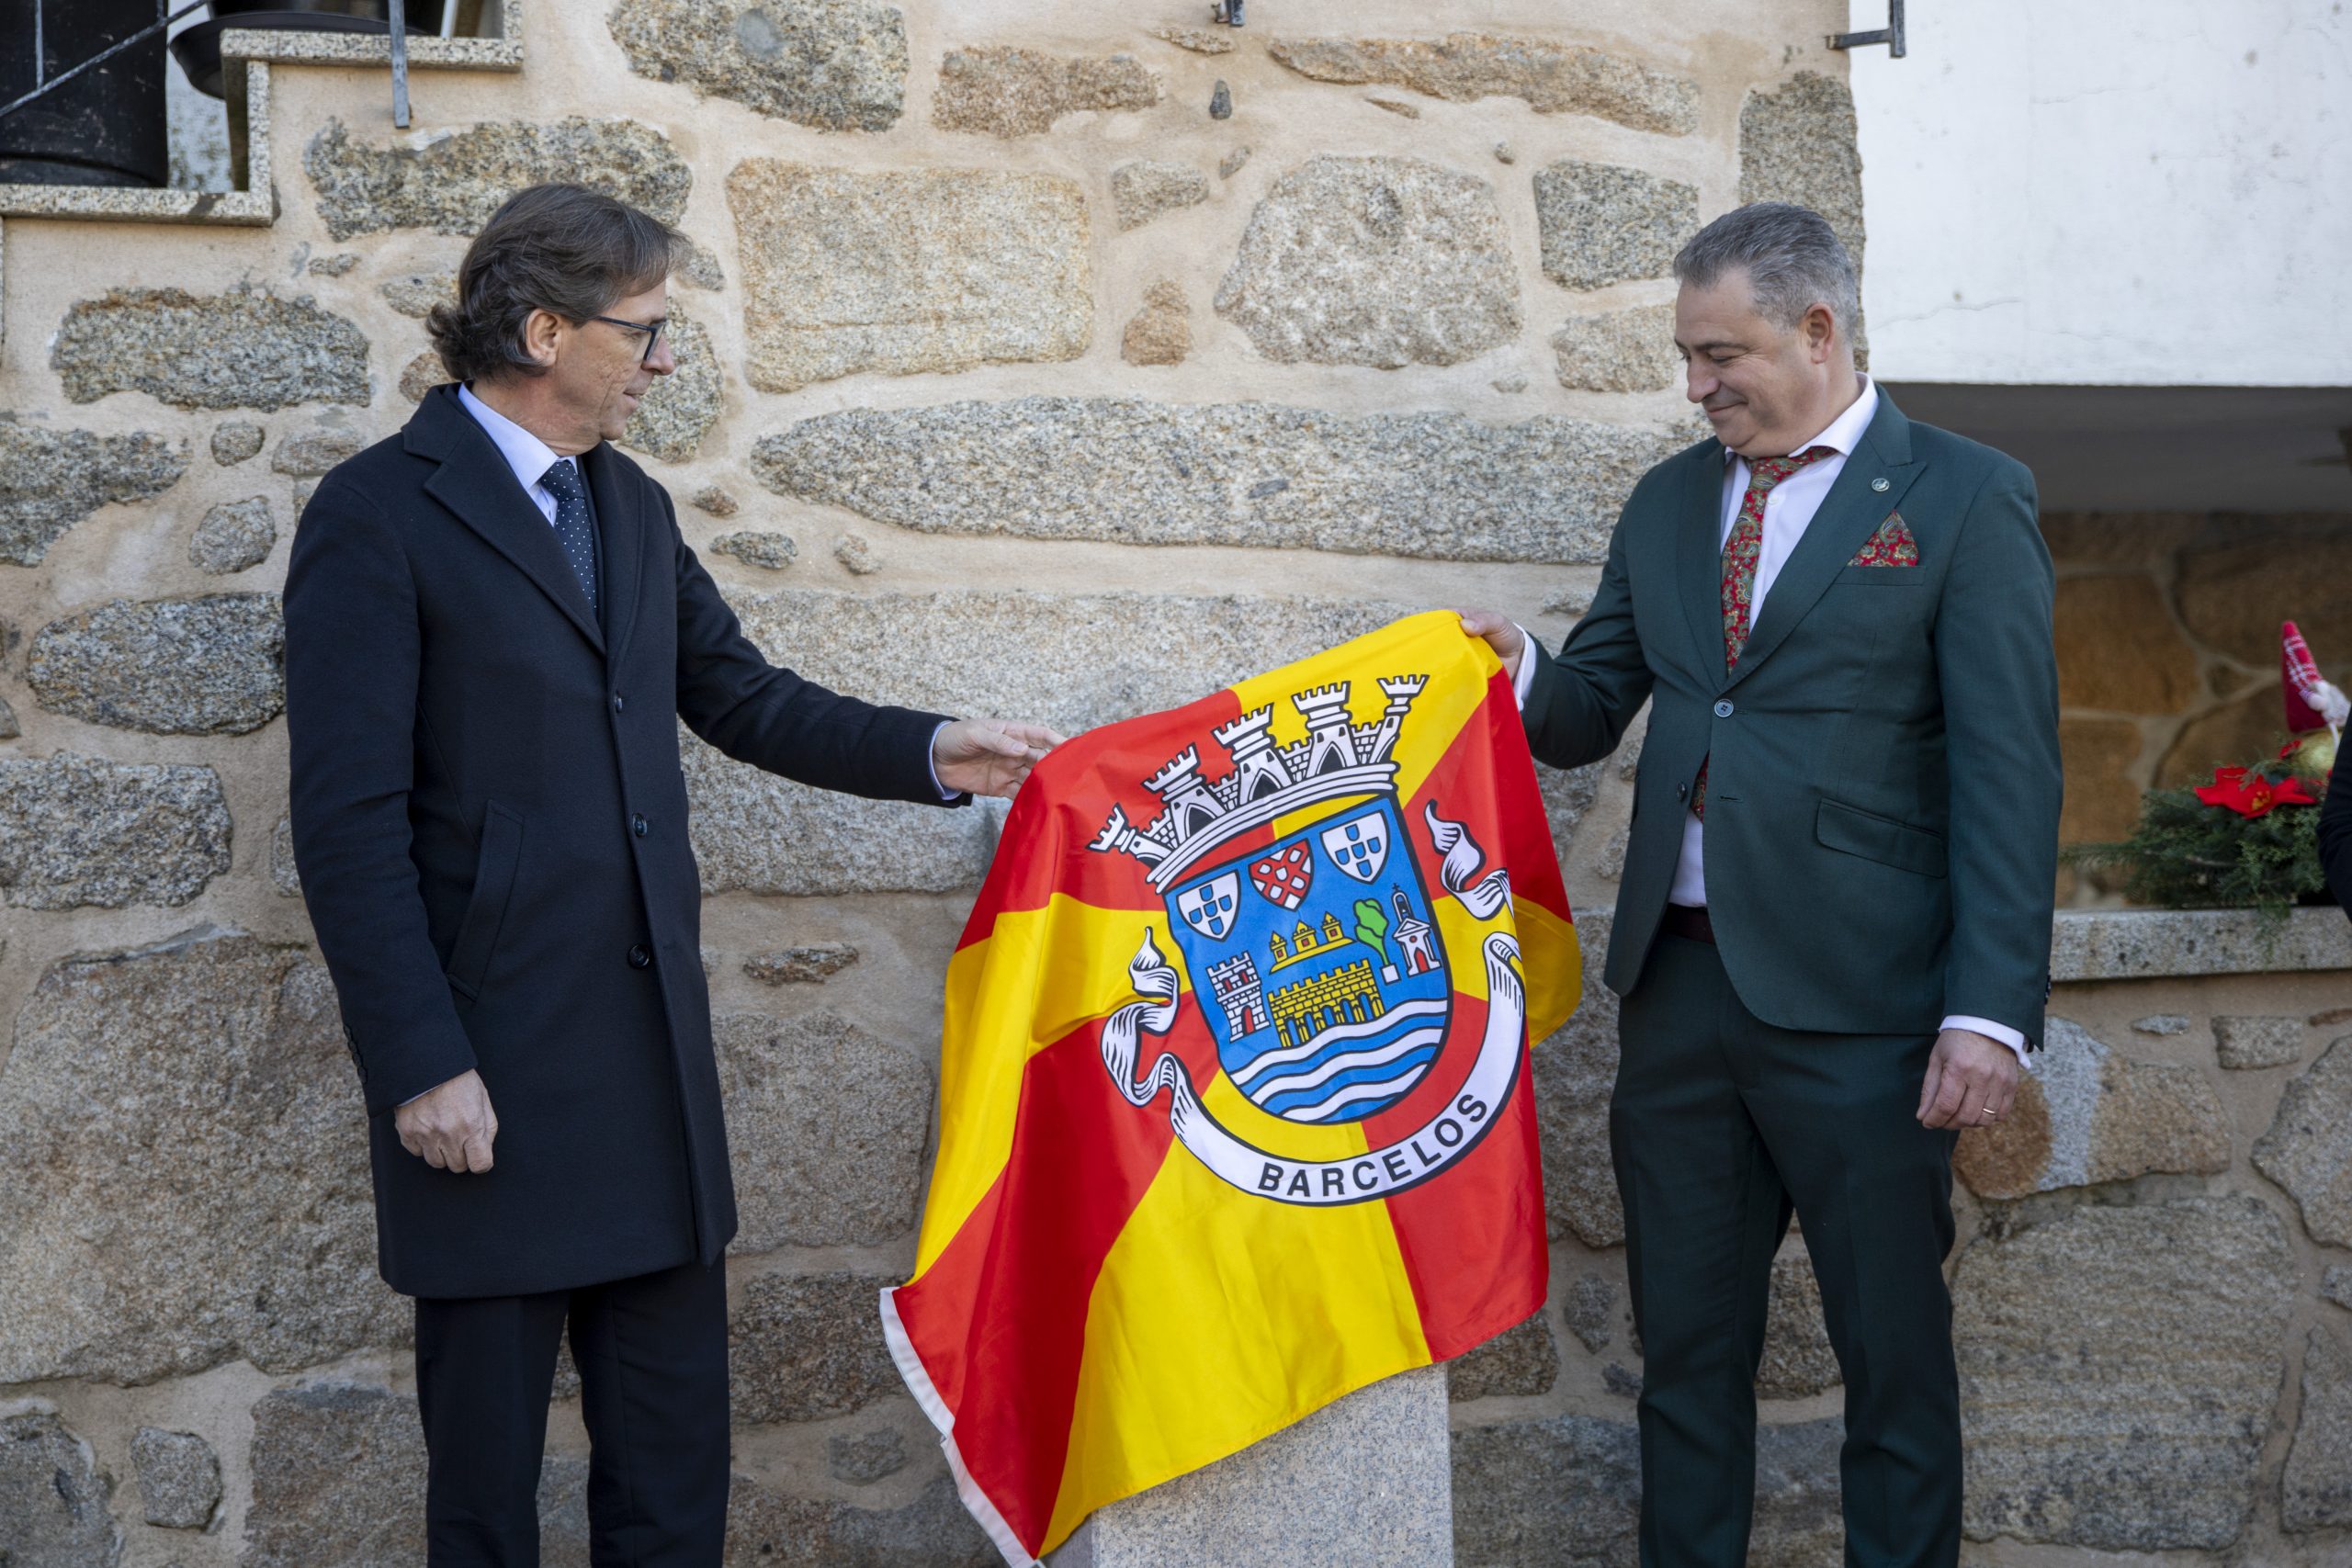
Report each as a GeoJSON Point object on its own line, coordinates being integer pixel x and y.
{"type": "Point", "coordinates": [529, 456]}
{"type": "Point", "coordinates": [1789, 509]}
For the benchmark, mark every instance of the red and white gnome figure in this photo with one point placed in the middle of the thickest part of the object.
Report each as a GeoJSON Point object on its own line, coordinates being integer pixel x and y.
{"type": "Point", "coordinates": [2315, 710]}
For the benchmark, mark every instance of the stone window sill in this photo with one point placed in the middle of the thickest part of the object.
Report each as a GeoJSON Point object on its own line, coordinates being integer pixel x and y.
{"type": "Point", "coordinates": [2148, 944]}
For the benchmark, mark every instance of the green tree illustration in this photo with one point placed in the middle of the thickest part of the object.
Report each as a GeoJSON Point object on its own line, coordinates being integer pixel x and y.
{"type": "Point", "coordinates": [1372, 926]}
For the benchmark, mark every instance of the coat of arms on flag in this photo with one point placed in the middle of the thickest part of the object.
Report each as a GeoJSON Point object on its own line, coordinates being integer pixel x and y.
{"type": "Point", "coordinates": [1241, 1016]}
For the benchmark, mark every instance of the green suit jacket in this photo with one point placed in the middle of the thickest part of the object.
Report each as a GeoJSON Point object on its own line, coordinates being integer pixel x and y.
{"type": "Point", "coordinates": [1882, 797]}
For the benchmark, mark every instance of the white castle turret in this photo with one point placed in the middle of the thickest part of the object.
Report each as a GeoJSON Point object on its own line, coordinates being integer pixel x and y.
{"type": "Point", "coordinates": [1337, 758]}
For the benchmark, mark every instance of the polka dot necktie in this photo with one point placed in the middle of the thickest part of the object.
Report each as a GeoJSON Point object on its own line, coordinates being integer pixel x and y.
{"type": "Point", "coordinates": [1740, 553]}
{"type": "Point", "coordinates": [562, 481]}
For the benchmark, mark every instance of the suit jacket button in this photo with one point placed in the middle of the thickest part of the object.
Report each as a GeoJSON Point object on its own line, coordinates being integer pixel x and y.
{"type": "Point", "coordinates": [636, 825]}
{"type": "Point", "coordinates": [618, 703]}
{"type": "Point", "coordinates": [639, 958]}
{"type": "Point", "coordinates": [1723, 708]}
{"type": "Point", "coordinates": [1682, 792]}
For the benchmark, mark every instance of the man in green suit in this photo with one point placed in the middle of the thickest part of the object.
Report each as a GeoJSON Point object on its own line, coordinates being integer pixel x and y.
{"type": "Point", "coordinates": [1833, 930]}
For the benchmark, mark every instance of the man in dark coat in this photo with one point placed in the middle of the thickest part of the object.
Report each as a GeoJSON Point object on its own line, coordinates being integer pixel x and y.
{"type": "Point", "coordinates": [1832, 928]}
{"type": "Point", "coordinates": [493, 628]}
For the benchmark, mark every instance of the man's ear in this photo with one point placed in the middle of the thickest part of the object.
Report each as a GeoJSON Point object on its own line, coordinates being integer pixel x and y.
{"type": "Point", "coordinates": [1819, 330]}
{"type": "Point", "coordinates": [542, 331]}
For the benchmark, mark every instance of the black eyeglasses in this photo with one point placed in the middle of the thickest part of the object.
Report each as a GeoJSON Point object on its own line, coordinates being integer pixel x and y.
{"type": "Point", "coordinates": [652, 331]}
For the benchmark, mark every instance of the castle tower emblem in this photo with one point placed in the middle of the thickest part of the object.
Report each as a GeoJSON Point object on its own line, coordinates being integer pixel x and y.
{"type": "Point", "coordinates": [1329, 1002]}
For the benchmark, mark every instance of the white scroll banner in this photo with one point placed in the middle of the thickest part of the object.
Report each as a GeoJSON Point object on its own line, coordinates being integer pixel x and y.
{"type": "Point", "coordinates": [1445, 1138]}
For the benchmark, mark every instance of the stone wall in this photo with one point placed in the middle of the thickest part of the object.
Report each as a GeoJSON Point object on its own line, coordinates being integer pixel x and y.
{"type": "Point", "coordinates": [2169, 648]}
{"type": "Point", "coordinates": [1058, 360]}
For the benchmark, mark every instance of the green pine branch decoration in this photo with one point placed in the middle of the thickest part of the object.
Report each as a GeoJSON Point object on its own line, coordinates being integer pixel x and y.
{"type": "Point", "coordinates": [2185, 854]}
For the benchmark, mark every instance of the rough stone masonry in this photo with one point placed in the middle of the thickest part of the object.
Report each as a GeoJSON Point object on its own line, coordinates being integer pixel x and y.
{"type": "Point", "coordinates": [1012, 379]}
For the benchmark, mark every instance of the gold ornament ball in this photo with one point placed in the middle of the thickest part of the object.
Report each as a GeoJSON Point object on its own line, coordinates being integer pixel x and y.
{"type": "Point", "coordinates": [2313, 755]}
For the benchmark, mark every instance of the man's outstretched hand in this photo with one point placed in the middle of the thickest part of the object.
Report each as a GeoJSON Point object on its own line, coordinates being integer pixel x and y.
{"type": "Point", "coordinates": [450, 1127]}
{"type": "Point", "coordinates": [1502, 634]}
{"type": "Point", "coordinates": [989, 756]}
{"type": "Point", "coordinates": [1971, 1081]}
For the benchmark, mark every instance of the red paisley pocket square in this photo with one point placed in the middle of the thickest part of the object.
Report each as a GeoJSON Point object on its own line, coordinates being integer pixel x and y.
{"type": "Point", "coordinates": [1891, 545]}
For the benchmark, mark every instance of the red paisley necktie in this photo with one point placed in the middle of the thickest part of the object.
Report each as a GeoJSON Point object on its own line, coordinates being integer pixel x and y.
{"type": "Point", "coordinates": [1747, 542]}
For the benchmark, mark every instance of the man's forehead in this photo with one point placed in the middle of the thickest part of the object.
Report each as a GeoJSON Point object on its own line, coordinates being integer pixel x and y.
{"type": "Point", "coordinates": [1723, 311]}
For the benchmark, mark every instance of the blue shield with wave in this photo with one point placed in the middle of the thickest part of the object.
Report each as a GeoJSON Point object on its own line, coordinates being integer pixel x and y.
{"type": "Point", "coordinates": [1317, 963]}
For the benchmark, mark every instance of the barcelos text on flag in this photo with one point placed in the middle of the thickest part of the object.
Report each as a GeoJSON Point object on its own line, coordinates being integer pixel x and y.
{"type": "Point", "coordinates": [1234, 1104]}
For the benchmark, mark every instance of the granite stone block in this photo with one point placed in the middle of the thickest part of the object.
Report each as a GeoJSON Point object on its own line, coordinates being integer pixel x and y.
{"type": "Point", "coordinates": [1378, 261]}
{"type": "Point", "coordinates": [179, 1478]}
{"type": "Point", "coordinates": [765, 547]}
{"type": "Point", "coordinates": [812, 965]}
{"type": "Point", "coordinates": [829, 65]}
{"type": "Point", "coordinates": [233, 536]}
{"type": "Point", "coordinates": [1433, 486]}
{"type": "Point", "coordinates": [1623, 351]}
{"type": "Point", "coordinates": [1010, 92]}
{"type": "Point", "coordinates": [234, 441]}
{"type": "Point", "coordinates": [53, 1497]}
{"type": "Point", "coordinates": [1146, 188]}
{"type": "Point", "coordinates": [1553, 78]}
{"type": "Point", "coordinates": [246, 348]}
{"type": "Point", "coordinates": [2171, 1339]}
{"type": "Point", "coordinates": [254, 1237]}
{"type": "Point", "coordinates": [214, 665]}
{"type": "Point", "coordinates": [1363, 1483]}
{"type": "Point", "coordinates": [80, 831]}
{"type": "Point", "coordinates": [453, 184]}
{"type": "Point", "coordinates": [1797, 143]}
{"type": "Point", "coordinates": [805, 1346]}
{"type": "Point", "coordinates": [2317, 1488]}
{"type": "Point", "coordinates": [906, 270]}
{"type": "Point", "coordinates": [1600, 224]}
{"type": "Point", "coordinates": [2248, 1043]}
{"type": "Point", "coordinates": [1522, 1361]}
{"type": "Point", "coordinates": [825, 1126]}
{"type": "Point", "coordinates": [51, 480]}
{"type": "Point", "coordinates": [767, 1528]}
{"type": "Point", "coordinates": [2306, 1151]}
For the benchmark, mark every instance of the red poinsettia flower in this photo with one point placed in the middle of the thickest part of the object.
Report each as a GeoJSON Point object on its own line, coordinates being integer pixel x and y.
{"type": "Point", "coordinates": [2250, 795]}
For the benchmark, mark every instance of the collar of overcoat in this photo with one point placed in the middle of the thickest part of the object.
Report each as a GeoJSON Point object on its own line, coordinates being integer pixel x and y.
{"type": "Point", "coordinates": [1849, 514]}
{"type": "Point", "coordinates": [478, 487]}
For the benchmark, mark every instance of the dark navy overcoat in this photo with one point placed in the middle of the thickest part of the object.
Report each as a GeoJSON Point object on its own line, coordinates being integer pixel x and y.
{"type": "Point", "coordinates": [489, 821]}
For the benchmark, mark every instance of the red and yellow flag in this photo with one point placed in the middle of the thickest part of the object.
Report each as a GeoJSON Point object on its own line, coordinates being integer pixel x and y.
{"type": "Point", "coordinates": [1234, 1108]}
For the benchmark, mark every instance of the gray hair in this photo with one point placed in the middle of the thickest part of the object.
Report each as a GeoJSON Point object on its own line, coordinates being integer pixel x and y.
{"type": "Point", "coordinates": [1793, 258]}
{"type": "Point", "coordinates": [551, 247]}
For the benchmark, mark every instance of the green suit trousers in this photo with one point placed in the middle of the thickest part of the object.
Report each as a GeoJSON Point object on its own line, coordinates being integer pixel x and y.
{"type": "Point", "coordinates": [1721, 1125]}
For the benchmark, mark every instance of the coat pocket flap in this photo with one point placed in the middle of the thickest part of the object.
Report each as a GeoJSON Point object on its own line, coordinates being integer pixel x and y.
{"type": "Point", "coordinates": [502, 852]}
{"type": "Point", "coordinates": [1854, 831]}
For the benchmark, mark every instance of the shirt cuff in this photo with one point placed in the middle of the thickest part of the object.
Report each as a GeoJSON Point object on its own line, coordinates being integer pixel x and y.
{"type": "Point", "coordinates": [930, 761]}
{"type": "Point", "coordinates": [1991, 1031]}
{"type": "Point", "coordinates": [1524, 681]}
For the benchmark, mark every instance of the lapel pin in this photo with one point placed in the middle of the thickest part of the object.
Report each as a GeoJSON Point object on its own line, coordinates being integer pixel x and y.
{"type": "Point", "coordinates": [1878, 484]}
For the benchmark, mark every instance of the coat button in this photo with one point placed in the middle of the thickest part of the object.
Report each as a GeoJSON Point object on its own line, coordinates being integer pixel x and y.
{"type": "Point", "coordinates": [636, 826]}
{"type": "Point", "coordinates": [1682, 792]}
{"type": "Point", "coordinates": [618, 703]}
{"type": "Point", "coordinates": [1722, 710]}
{"type": "Point", "coordinates": [639, 958]}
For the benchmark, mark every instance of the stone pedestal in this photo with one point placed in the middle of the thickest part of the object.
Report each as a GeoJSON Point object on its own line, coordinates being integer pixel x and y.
{"type": "Point", "coordinates": [1365, 1482]}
